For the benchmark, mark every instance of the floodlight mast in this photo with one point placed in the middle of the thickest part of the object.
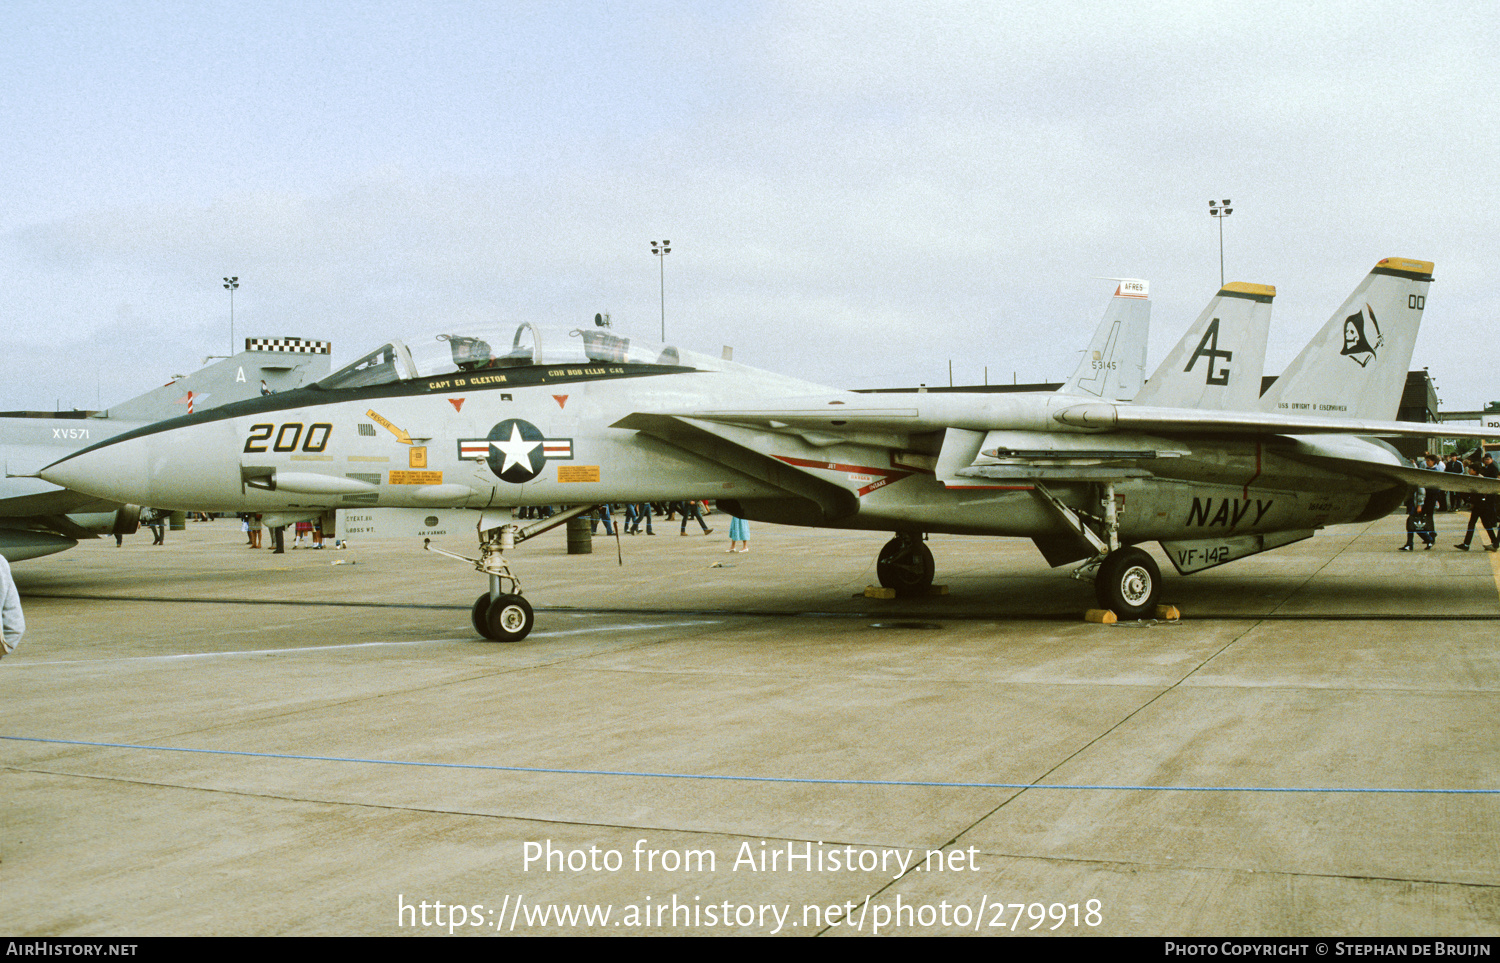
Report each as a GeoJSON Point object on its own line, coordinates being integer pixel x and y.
{"type": "Point", "coordinates": [661, 249]}
{"type": "Point", "coordinates": [230, 284]}
{"type": "Point", "coordinates": [1220, 210]}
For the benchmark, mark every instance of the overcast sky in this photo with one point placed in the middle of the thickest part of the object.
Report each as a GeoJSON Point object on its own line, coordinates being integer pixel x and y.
{"type": "Point", "coordinates": [855, 193]}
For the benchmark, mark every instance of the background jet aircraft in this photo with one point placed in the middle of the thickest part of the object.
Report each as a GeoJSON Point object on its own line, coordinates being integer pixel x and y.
{"type": "Point", "coordinates": [529, 416]}
{"type": "Point", "coordinates": [1114, 366]}
{"type": "Point", "coordinates": [39, 518]}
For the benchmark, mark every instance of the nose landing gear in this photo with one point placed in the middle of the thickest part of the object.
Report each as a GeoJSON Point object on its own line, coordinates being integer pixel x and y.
{"type": "Point", "coordinates": [501, 615]}
{"type": "Point", "coordinates": [905, 564]}
{"type": "Point", "coordinates": [504, 618]}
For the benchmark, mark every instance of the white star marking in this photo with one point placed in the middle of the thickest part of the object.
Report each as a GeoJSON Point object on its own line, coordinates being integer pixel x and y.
{"type": "Point", "coordinates": [517, 450]}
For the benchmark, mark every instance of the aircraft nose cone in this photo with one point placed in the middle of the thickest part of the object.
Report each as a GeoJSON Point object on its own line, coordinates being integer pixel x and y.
{"type": "Point", "coordinates": [117, 472]}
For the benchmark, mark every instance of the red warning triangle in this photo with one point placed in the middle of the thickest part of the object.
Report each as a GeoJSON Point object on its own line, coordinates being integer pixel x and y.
{"type": "Point", "coordinates": [562, 400]}
{"type": "Point", "coordinates": [457, 403]}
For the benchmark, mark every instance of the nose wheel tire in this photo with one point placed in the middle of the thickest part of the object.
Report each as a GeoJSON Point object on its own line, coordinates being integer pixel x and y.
{"type": "Point", "coordinates": [906, 565]}
{"type": "Point", "coordinates": [1128, 583]}
{"type": "Point", "coordinates": [508, 619]}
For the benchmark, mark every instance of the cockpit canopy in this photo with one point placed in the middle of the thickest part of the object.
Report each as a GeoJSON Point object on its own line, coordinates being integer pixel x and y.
{"type": "Point", "coordinates": [526, 345]}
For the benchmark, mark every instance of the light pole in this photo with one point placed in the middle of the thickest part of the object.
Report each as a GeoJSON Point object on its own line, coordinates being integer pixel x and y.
{"type": "Point", "coordinates": [1220, 210]}
{"type": "Point", "coordinates": [229, 285]}
{"type": "Point", "coordinates": [661, 249]}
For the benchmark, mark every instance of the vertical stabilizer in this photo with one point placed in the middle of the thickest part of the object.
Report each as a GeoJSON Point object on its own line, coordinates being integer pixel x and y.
{"type": "Point", "coordinates": [1115, 363]}
{"type": "Point", "coordinates": [282, 363]}
{"type": "Point", "coordinates": [1356, 366]}
{"type": "Point", "coordinates": [1219, 362]}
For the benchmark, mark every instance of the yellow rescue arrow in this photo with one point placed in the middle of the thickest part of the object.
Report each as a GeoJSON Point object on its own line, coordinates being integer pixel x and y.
{"type": "Point", "coordinates": [400, 433]}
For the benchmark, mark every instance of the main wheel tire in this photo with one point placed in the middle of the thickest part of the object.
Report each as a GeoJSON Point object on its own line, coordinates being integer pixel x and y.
{"type": "Point", "coordinates": [510, 618]}
{"type": "Point", "coordinates": [479, 615]}
{"type": "Point", "coordinates": [906, 565]}
{"type": "Point", "coordinates": [1128, 583]}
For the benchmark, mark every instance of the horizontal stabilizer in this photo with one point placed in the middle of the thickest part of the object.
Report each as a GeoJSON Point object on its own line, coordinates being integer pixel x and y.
{"type": "Point", "coordinates": [1406, 474]}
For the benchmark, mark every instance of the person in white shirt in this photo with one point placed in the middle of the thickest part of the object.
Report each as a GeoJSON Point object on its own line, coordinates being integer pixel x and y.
{"type": "Point", "coordinates": [12, 621]}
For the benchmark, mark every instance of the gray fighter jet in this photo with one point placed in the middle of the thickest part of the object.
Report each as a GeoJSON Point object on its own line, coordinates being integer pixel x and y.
{"type": "Point", "coordinates": [38, 517]}
{"type": "Point", "coordinates": [490, 421]}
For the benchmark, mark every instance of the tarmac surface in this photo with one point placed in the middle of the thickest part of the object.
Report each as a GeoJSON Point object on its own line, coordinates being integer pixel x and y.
{"type": "Point", "coordinates": [202, 739]}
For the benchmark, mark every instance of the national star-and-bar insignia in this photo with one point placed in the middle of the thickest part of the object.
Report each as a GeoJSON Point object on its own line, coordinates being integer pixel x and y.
{"type": "Point", "coordinates": [515, 450]}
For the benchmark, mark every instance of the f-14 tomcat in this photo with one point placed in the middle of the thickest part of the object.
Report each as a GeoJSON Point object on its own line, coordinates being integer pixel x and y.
{"type": "Point", "coordinates": [38, 518]}
{"type": "Point", "coordinates": [1198, 462]}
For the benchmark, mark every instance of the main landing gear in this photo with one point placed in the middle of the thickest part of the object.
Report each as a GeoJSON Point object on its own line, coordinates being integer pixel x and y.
{"type": "Point", "coordinates": [500, 614]}
{"type": "Point", "coordinates": [1127, 583]}
{"type": "Point", "coordinates": [905, 564]}
{"type": "Point", "coordinates": [1126, 580]}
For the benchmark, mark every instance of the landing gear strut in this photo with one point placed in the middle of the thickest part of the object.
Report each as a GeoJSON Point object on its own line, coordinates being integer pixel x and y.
{"type": "Point", "coordinates": [1126, 580]}
{"type": "Point", "coordinates": [501, 615]}
{"type": "Point", "coordinates": [905, 564]}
